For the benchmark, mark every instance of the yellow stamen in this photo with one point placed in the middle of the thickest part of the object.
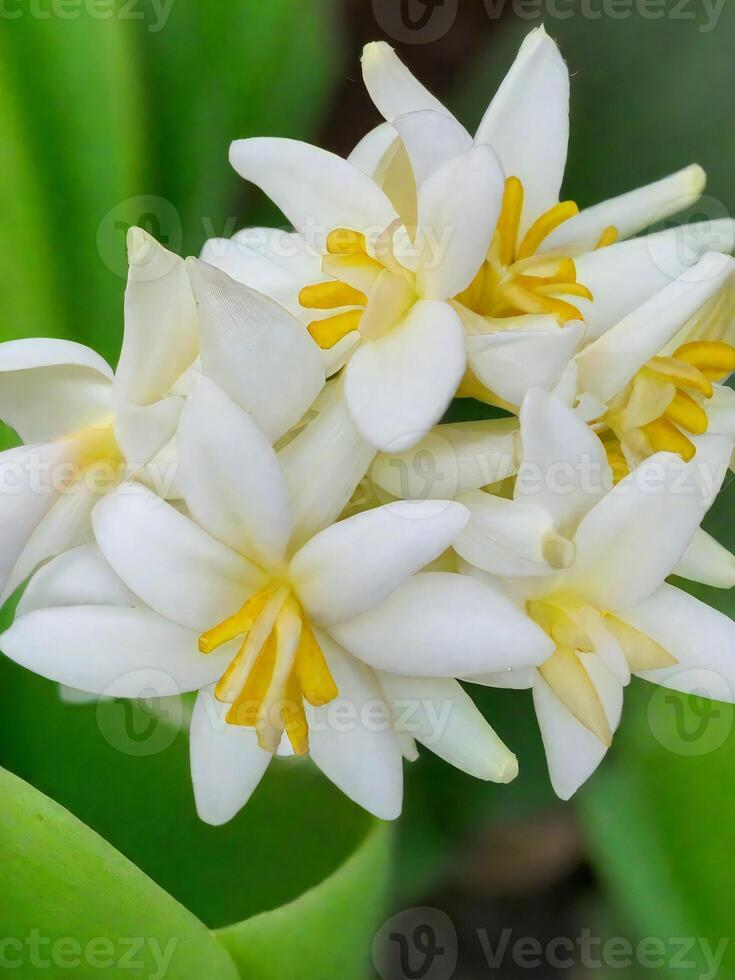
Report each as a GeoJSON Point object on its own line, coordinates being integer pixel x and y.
{"type": "Point", "coordinates": [330, 296]}
{"type": "Point", "coordinates": [312, 672]}
{"type": "Point", "coordinates": [608, 237]}
{"type": "Point", "coordinates": [714, 358]}
{"type": "Point", "coordinates": [509, 220]}
{"type": "Point", "coordinates": [244, 710]}
{"type": "Point", "coordinates": [526, 301]}
{"type": "Point", "coordinates": [566, 289]}
{"type": "Point", "coordinates": [616, 459]}
{"type": "Point", "coordinates": [332, 329]}
{"type": "Point", "coordinates": [232, 681]}
{"type": "Point", "coordinates": [294, 717]}
{"type": "Point", "coordinates": [558, 551]}
{"type": "Point", "coordinates": [345, 241]}
{"type": "Point", "coordinates": [237, 625]}
{"type": "Point", "coordinates": [687, 413]}
{"type": "Point", "coordinates": [681, 373]}
{"type": "Point", "coordinates": [544, 225]}
{"type": "Point", "coordinates": [664, 436]}
{"type": "Point", "coordinates": [566, 676]}
{"type": "Point", "coordinates": [641, 652]}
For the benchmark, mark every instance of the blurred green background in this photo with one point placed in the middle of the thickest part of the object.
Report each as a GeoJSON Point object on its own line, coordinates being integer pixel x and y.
{"type": "Point", "coordinates": [119, 113]}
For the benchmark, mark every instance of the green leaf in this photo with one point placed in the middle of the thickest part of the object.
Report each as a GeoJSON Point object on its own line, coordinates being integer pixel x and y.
{"type": "Point", "coordinates": [71, 902]}
{"type": "Point", "coordinates": [127, 776]}
{"type": "Point", "coordinates": [76, 84]}
{"type": "Point", "coordinates": [319, 934]}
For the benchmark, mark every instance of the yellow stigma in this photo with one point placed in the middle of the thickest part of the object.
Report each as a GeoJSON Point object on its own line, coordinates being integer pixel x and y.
{"type": "Point", "coordinates": [516, 279]}
{"type": "Point", "coordinates": [279, 666]}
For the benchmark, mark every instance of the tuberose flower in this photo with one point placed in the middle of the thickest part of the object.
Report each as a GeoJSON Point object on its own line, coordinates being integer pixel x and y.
{"type": "Point", "coordinates": [587, 562]}
{"type": "Point", "coordinates": [220, 602]}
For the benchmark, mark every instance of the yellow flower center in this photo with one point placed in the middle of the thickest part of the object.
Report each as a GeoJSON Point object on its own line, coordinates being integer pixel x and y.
{"type": "Point", "coordinates": [665, 400]}
{"type": "Point", "coordinates": [278, 667]}
{"type": "Point", "coordinates": [565, 672]}
{"type": "Point", "coordinates": [514, 279]}
{"type": "Point", "coordinates": [96, 456]}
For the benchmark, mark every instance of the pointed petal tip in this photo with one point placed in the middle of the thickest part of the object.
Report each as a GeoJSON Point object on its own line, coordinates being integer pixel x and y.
{"type": "Point", "coordinates": [139, 243]}
{"type": "Point", "coordinates": [374, 49]}
{"type": "Point", "coordinates": [506, 772]}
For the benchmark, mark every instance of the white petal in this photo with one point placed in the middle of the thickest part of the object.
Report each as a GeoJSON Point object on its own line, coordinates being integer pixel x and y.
{"type": "Point", "coordinates": [450, 460]}
{"type": "Point", "coordinates": [80, 577]}
{"type": "Point", "coordinates": [431, 139]}
{"type": "Point", "coordinates": [226, 761]}
{"type": "Point", "coordinates": [701, 638]}
{"type": "Point", "coordinates": [169, 561]}
{"type": "Point", "coordinates": [399, 386]}
{"type": "Point", "coordinates": [392, 87]}
{"type": "Point", "coordinates": [564, 467]}
{"type": "Point", "coordinates": [352, 565]}
{"type": "Point", "coordinates": [721, 411]}
{"type": "Point", "coordinates": [230, 476]}
{"type": "Point", "coordinates": [370, 154]}
{"type": "Point", "coordinates": [506, 537]}
{"type": "Point", "coordinates": [351, 739]}
{"type": "Point", "coordinates": [441, 624]}
{"type": "Point", "coordinates": [316, 190]}
{"type": "Point", "coordinates": [458, 208]}
{"type": "Point", "coordinates": [110, 650]}
{"type": "Point", "coordinates": [143, 431]}
{"type": "Point", "coordinates": [510, 680]}
{"type": "Point", "coordinates": [527, 123]}
{"type": "Point", "coordinates": [322, 467]}
{"type": "Point", "coordinates": [275, 262]}
{"type": "Point", "coordinates": [442, 716]}
{"type": "Point", "coordinates": [65, 525]}
{"type": "Point", "coordinates": [161, 337]}
{"type": "Point", "coordinates": [623, 276]}
{"type": "Point", "coordinates": [606, 645]}
{"type": "Point", "coordinates": [707, 561]}
{"type": "Point", "coordinates": [49, 388]}
{"type": "Point", "coordinates": [511, 362]}
{"type": "Point", "coordinates": [572, 751]}
{"type": "Point", "coordinates": [632, 539]}
{"type": "Point", "coordinates": [607, 365]}
{"type": "Point", "coordinates": [255, 351]}
{"type": "Point", "coordinates": [27, 493]}
{"type": "Point", "coordinates": [629, 213]}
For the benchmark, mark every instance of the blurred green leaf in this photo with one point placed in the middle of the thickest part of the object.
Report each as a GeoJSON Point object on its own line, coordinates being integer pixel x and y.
{"type": "Point", "coordinates": [77, 85]}
{"type": "Point", "coordinates": [321, 934]}
{"type": "Point", "coordinates": [71, 902]}
{"type": "Point", "coordinates": [221, 72]}
{"type": "Point", "coordinates": [127, 776]}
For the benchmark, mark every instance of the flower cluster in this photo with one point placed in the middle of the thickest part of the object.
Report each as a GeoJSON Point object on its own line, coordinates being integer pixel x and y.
{"type": "Point", "coordinates": [263, 506]}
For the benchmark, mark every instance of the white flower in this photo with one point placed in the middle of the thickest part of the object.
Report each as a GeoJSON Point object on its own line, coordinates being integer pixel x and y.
{"type": "Point", "coordinates": [546, 260]}
{"type": "Point", "coordinates": [222, 598]}
{"type": "Point", "coordinates": [86, 428]}
{"type": "Point", "coordinates": [83, 426]}
{"type": "Point", "coordinates": [649, 383]}
{"type": "Point", "coordinates": [588, 564]}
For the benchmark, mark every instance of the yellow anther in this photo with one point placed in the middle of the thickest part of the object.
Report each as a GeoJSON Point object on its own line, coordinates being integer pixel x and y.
{"type": "Point", "coordinates": [237, 625]}
{"type": "Point", "coordinates": [312, 672]}
{"type": "Point", "coordinates": [330, 296]}
{"type": "Point", "coordinates": [616, 459]}
{"type": "Point", "coordinates": [566, 676]}
{"type": "Point", "coordinates": [687, 413]}
{"type": "Point", "coordinates": [345, 241]}
{"type": "Point", "coordinates": [565, 288]}
{"type": "Point", "coordinates": [332, 329]}
{"type": "Point", "coordinates": [510, 218]}
{"type": "Point", "coordinates": [641, 652]}
{"type": "Point", "coordinates": [681, 373]}
{"type": "Point", "coordinates": [663, 436]}
{"type": "Point", "coordinates": [527, 301]}
{"type": "Point", "coordinates": [714, 358]}
{"type": "Point", "coordinates": [608, 237]}
{"type": "Point", "coordinates": [544, 225]}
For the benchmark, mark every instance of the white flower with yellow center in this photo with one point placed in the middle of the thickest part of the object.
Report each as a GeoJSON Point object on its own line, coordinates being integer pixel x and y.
{"type": "Point", "coordinates": [222, 603]}
{"type": "Point", "coordinates": [651, 382]}
{"type": "Point", "coordinates": [588, 563]}
{"type": "Point", "coordinates": [548, 264]}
